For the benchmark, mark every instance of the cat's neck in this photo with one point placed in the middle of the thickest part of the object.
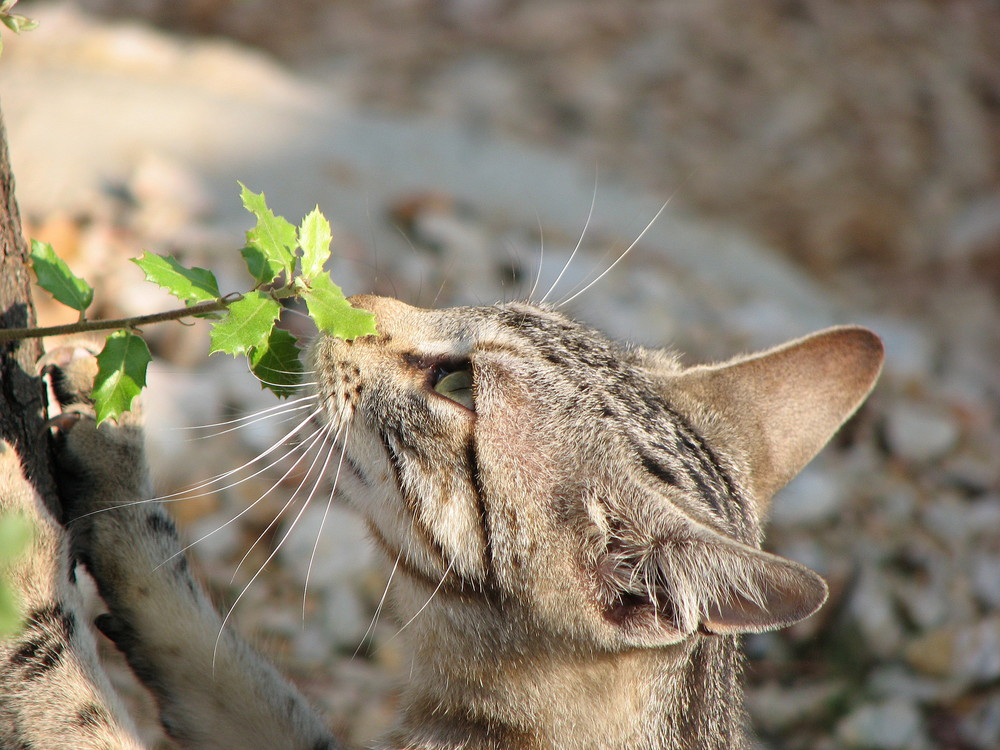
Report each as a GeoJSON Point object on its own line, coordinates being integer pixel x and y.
{"type": "Point", "coordinates": [678, 698]}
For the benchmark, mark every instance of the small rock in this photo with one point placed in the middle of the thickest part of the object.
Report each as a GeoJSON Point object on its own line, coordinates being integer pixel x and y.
{"type": "Point", "coordinates": [968, 653]}
{"type": "Point", "coordinates": [892, 725]}
{"type": "Point", "coordinates": [919, 432]}
{"type": "Point", "coordinates": [775, 708]}
{"type": "Point", "coordinates": [810, 499]}
{"type": "Point", "coordinates": [872, 609]}
{"type": "Point", "coordinates": [986, 579]}
{"type": "Point", "coordinates": [980, 727]}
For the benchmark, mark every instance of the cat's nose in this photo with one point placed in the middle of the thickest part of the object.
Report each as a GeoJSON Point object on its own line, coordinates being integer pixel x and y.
{"type": "Point", "coordinates": [385, 308]}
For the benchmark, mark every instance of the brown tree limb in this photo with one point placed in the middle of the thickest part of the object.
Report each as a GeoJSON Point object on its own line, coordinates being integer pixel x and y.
{"type": "Point", "coordinates": [202, 308]}
{"type": "Point", "coordinates": [22, 391]}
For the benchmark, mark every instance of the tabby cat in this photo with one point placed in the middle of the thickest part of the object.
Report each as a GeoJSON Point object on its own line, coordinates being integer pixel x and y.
{"type": "Point", "coordinates": [576, 526]}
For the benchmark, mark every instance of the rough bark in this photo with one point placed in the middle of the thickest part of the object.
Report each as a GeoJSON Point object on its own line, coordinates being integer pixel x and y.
{"type": "Point", "coordinates": [22, 392]}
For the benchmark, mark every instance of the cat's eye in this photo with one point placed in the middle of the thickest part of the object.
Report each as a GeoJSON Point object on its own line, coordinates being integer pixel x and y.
{"type": "Point", "coordinates": [456, 386]}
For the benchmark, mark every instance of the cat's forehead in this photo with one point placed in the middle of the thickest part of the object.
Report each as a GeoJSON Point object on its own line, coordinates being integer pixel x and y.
{"type": "Point", "coordinates": [523, 323]}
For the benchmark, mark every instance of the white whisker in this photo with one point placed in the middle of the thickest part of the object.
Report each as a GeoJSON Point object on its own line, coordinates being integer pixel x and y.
{"type": "Point", "coordinates": [281, 541]}
{"type": "Point", "coordinates": [579, 242]}
{"type": "Point", "coordinates": [437, 588]}
{"type": "Point", "coordinates": [276, 407]}
{"type": "Point", "coordinates": [541, 257]}
{"type": "Point", "coordinates": [566, 301]}
{"type": "Point", "coordinates": [305, 445]}
{"type": "Point", "coordinates": [325, 433]}
{"type": "Point", "coordinates": [322, 523]}
{"type": "Point", "coordinates": [378, 608]}
{"type": "Point", "coordinates": [288, 415]}
{"type": "Point", "coordinates": [219, 477]}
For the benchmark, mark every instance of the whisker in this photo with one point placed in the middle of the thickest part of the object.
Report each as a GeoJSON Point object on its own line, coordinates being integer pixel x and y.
{"type": "Point", "coordinates": [541, 256]}
{"type": "Point", "coordinates": [219, 477]}
{"type": "Point", "coordinates": [277, 547]}
{"type": "Point", "coordinates": [305, 445]}
{"type": "Point", "coordinates": [567, 300]}
{"type": "Point", "coordinates": [185, 493]}
{"type": "Point", "coordinates": [378, 608]}
{"type": "Point", "coordinates": [277, 407]}
{"type": "Point", "coordinates": [437, 588]}
{"type": "Point", "coordinates": [579, 242]}
{"type": "Point", "coordinates": [326, 512]}
{"type": "Point", "coordinates": [325, 433]}
{"type": "Point", "coordinates": [288, 415]}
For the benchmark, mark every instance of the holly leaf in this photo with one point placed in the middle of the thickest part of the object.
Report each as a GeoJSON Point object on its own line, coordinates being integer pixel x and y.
{"type": "Point", "coordinates": [190, 285]}
{"type": "Point", "coordinates": [247, 324]}
{"type": "Point", "coordinates": [263, 269]}
{"type": "Point", "coordinates": [273, 235]}
{"type": "Point", "coordinates": [55, 277]}
{"type": "Point", "coordinates": [121, 374]}
{"type": "Point", "coordinates": [276, 363]}
{"type": "Point", "coordinates": [333, 314]}
{"type": "Point", "coordinates": [314, 238]}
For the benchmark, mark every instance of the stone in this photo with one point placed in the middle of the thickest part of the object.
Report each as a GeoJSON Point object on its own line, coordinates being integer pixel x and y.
{"type": "Point", "coordinates": [892, 725]}
{"type": "Point", "coordinates": [919, 432]}
{"type": "Point", "coordinates": [813, 497]}
{"type": "Point", "coordinates": [966, 653]}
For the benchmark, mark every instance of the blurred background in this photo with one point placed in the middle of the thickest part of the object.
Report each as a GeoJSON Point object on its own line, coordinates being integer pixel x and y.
{"type": "Point", "coordinates": [825, 163]}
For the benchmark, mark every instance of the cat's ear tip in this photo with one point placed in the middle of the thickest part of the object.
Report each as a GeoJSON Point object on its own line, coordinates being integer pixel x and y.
{"type": "Point", "coordinates": [861, 341]}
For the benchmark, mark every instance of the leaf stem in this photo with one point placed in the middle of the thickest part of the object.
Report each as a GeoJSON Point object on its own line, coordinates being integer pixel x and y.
{"type": "Point", "coordinates": [216, 305]}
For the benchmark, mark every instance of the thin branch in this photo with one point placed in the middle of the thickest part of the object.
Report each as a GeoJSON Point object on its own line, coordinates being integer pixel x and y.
{"type": "Point", "coordinates": [216, 305]}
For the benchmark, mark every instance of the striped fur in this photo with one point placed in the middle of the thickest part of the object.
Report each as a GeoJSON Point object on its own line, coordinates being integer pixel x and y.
{"type": "Point", "coordinates": [577, 525]}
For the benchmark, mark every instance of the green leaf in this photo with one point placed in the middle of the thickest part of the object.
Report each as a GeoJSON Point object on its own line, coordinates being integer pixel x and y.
{"type": "Point", "coordinates": [247, 324]}
{"type": "Point", "coordinates": [55, 277]}
{"type": "Point", "coordinates": [16, 531]}
{"type": "Point", "coordinates": [187, 284]}
{"type": "Point", "coordinates": [121, 374]}
{"type": "Point", "coordinates": [314, 238]}
{"type": "Point", "coordinates": [273, 235]}
{"type": "Point", "coordinates": [277, 363]}
{"type": "Point", "coordinates": [259, 265]}
{"type": "Point", "coordinates": [333, 314]}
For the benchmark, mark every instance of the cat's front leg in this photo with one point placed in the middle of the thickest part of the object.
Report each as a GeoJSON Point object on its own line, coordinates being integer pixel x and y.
{"type": "Point", "coordinates": [53, 692]}
{"type": "Point", "coordinates": [213, 690]}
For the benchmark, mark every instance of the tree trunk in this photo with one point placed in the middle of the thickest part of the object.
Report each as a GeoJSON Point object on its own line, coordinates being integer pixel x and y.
{"type": "Point", "coordinates": [22, 392]}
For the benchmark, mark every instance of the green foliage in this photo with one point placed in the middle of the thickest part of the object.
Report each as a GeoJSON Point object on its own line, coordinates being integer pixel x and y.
{"type": "Point", "coordinates": [276, 362]}
{"type": "Point", "coordinates": [242, 323]}
{"type": "Point", "coordinates": [55, 277]}
{"type": "Point", "coordinates": [15, 535]}
{"type": "Point", "coordinates": [315, 239]}
{"type": "Point", "coordinates": [332, 312]}
{"type": "Point", "coordinates": [121, 374]}
{"type": "Point", "coordinates": [13, 21]}
{"type": "Point", "coordinates": [187, 284]}
{"type": "Point", "coordinates": [273, 237]}
{"type": "Point", "coordinates": [247, 324]}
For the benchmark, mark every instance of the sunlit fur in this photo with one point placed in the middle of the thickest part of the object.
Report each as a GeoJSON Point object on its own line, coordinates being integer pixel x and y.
{"type": "Point", "coordinates": [572, 559]}
{"type": "Point", "coordinates": [582, 526]}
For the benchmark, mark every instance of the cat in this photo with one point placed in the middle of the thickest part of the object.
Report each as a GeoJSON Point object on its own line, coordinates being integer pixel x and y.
{"type": "Point", "coordinates": [575, 526]}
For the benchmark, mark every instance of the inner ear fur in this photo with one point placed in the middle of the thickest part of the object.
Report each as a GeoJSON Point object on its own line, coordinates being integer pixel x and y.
{"type": "Point", "coordinates": [781, 406]}
{"type": "Point", "coordinates": [685, 577]}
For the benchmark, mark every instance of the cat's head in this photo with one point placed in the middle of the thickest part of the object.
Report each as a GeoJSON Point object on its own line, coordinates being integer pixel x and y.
{"type": "Point", "coordinates": [596, 493]}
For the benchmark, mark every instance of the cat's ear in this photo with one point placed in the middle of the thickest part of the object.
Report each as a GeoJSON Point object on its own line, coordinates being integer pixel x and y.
{"type": "Point", "coordinates": [782, 405]}
{"type": "Point", "coordinates": [688, 578]}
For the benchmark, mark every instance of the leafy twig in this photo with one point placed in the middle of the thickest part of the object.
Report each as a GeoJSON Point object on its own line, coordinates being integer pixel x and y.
{"type": "Point", "coordinates": [283, 260]}
{"type": "Point", "coordinates": [134, 323]}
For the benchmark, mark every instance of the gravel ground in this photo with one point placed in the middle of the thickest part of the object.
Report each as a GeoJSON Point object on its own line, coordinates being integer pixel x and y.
{"type": "Point", "coordinates": [829, 163]}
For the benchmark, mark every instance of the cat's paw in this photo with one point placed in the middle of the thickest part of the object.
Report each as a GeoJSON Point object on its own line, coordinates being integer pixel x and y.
{"type": "Point", "coordinates": [97, 467]}
{"type": "Point", "coordinates": [16, 493]}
